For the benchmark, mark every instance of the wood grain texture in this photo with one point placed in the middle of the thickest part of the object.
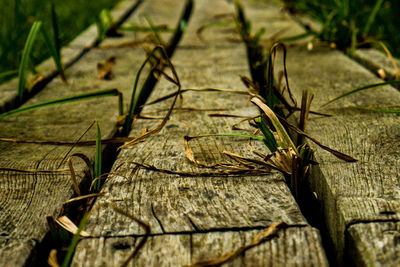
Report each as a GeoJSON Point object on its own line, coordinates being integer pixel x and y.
{"type": "Point", "coordinates": [69, 55]}
{"type": "Point", "coordinates": [187, 206]}
{"type": "Point", "coordinates": [27, 198]}
{"type": "Point", "coordinates": [381, 250]}
{"type": "Point", "coordinates": [286, 249]}
{"type": "Point", "coordinates": [348, 192]}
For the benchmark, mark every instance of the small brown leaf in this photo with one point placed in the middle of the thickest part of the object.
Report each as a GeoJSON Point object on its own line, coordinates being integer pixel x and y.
{"type": "Point", "coordinates": [52, 260]}
{"type": "Point", "coordinates": [104, 69]}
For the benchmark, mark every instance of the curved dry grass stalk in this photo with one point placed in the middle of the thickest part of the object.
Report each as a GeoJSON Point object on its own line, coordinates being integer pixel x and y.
{"type": "Point", "coordinates": [258, 239]}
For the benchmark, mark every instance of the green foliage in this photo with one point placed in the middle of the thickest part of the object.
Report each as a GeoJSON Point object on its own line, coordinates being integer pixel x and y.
{"type": "Point", "coordinates": [103, 22]}
{"type": "Point", "coordinates": [16, 18]}
{"type": "Point", "coordinates": [350, 23]}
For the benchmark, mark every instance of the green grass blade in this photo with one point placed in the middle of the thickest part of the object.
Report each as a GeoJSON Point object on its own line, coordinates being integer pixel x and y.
{"type": "Point", "coordinates": [372, 16]}
{"type": "Point", "coordinates": [26, 57]}
{"type": "Point", "coordinates": [53, 51]}
{"type": "Point", "coordinates": [284, 139]}
{"type": "Point", "coordinates": [97, 160]}
{"type": "Point", "coordinates": [8, 74]}
{"type": "Point", "coordinates": [54, 24]}
{"type": "Point", "coordinates": [102, 93]}
{"type": "Point", "coordinates": [140, 28]}
{"type": "Point", "coordinates": [269, 139]}
{"type": "Point", "coordinates": [152, 27]}
{"type": "Point", "coordinates": [295, 37]}
{"type": "Point", "coordinates": [134, 99]}
{"type": "Point", "coordinates": [370, 86]}
{"type": "Point", "coordinates": [103, 21]}
{"type": "Point", "coordinates": [380, 110]}
{"type": "Point", "coordinates": [74, 242]}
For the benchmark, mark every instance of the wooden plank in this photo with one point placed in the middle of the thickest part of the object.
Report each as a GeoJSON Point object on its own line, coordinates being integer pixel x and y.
{"type": "Point", "coordinates": [287, 249]}
{"type": "Point", "coordinates": [377, 62]}
{"type": "Point", "coordinates": [25, 197]}
{"type": "Point", "coordinates": [381, 250]}
{"type": "Point", "coordinates": [174, 204]}
{"type": "Point", "coordinates": [69, 54]}
{"type": "Point", "coordinates": [349, 193]}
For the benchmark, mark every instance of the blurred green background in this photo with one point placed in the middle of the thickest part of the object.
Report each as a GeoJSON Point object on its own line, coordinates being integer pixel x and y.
{"type": "Point", "coordinates": [17, 16]}
{"type": "Point", "coordinates": [347, 19]}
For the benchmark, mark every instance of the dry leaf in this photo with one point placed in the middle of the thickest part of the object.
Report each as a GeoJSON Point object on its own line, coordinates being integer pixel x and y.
{"type": "Point", "coordinates": [68, 225]}
{"type": "Point", "coordinates": [52, 260]}
{"type": "Point", "coordinates": [104, 69]}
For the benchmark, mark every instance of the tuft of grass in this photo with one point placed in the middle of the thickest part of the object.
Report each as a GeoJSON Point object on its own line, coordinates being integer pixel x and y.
{"type": "Point", "coordinates": [16, 18]}
{"type": "Point", "coordinates": [350, 24]}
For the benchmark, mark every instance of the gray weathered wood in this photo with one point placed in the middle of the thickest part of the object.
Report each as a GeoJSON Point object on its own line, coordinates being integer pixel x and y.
{"type": "Point", "coordinates": [381, 250]}
{"type": "Point", "coordinates": [27, 198]}
{"type": "Point", "coordinates": [185, 206]}
{"type": "Point", "coordinates": [350, 193]}
{"type": "Point", "coordinates": [182, 249]}
{"type": "Point", "coordinates": [69, 55]}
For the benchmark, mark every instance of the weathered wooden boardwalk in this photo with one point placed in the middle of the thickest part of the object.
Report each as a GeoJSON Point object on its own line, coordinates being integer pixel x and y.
{"type": "Point", "coordinates": [198, 218]}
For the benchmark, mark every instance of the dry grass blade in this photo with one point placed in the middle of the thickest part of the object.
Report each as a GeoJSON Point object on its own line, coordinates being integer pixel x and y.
{"type": "Point", "coordinates": [156, 130]}
{"type": "Point", "coordinates": [190, 155]}
{"type": "Point", "coordinates": [206, 89]}
{"type": "Point", "coordinates": [73, 177]}
{"type": "Point", "coordinates": [267, 233]}
{"type": "Point", "coordinates": [68, 225]}
{"type": "Point", "coordinates": [336, 153]}
{"type": "Point", "coordinates": [52, 259]}
{"type": "Point", "coordinates": [75, 199]}
{"type": "Point", "coordinates": [233, 172]}
{"type": "Point", "coordinates": [394, 63]}
{"type": "Point", "coordinates": [250, 160]}
{"type": "Point", "coordinates": [72, 147]}
{"type": "Point", "coordinates": [28, 171]}
{"type": "Point", "coordinates": [305, 110]}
